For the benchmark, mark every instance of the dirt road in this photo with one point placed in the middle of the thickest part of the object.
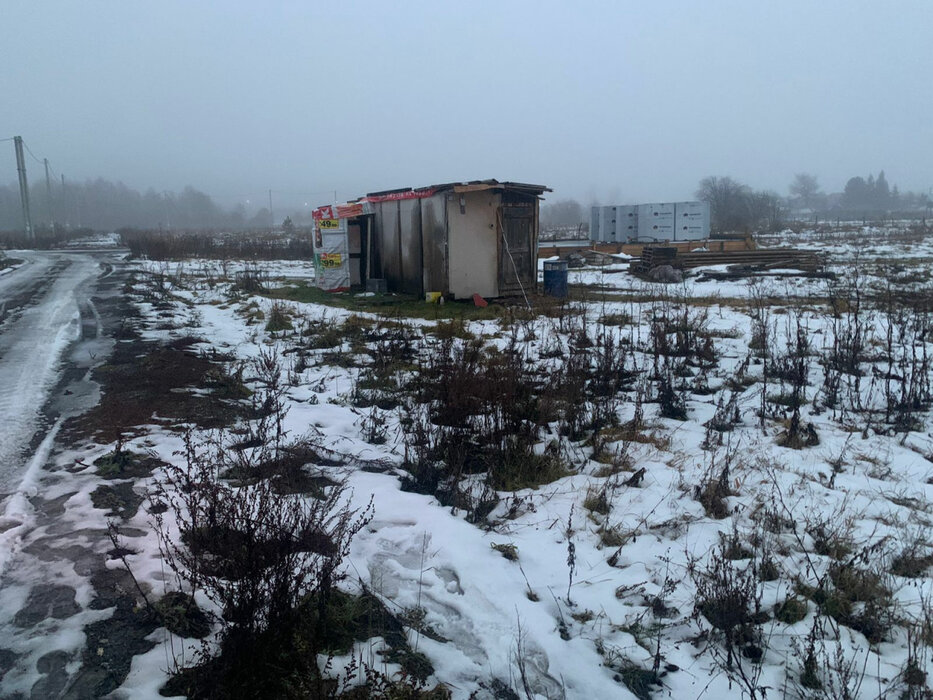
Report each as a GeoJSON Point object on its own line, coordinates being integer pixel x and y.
{"type": "Point", "coordinates": [55, 312]}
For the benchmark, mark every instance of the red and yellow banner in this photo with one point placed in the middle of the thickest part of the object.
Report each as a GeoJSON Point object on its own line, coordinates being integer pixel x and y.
{"type": "Point", "coordinates": [331, 260]}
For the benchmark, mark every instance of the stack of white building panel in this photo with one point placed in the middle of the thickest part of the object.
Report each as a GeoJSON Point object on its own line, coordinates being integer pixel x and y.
{"type": "Point", "coordinates": [692, 221]}
{"type": "Point", "coordinates": [656, 222]}
{"type": "Point", "coordinates": [664, 221]}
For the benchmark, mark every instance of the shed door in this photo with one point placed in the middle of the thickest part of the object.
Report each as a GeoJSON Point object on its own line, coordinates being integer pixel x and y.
{"type": "Point", "coordinates": [516, 251]}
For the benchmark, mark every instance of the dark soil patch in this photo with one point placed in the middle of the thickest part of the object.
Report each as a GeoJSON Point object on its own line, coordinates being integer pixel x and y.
{"type": "Point", "coordinates": [124, 464]}
{"type": "Point", "coordinates": [9, 262]}
{"type": "Point", "coordinates": [110, 648]}
{"type": "Point", "coordinates": [301, 482]}
{"type": "Point", "coordinates": [47, 601]}
{"type": "Point", "coordinates": [287, 471]}
{"type": "Point", "coordinates": [54, 675]}
{"type": "Point", "coordinates": [7, 661]}
{"type": "Point", "coordinates": [144, 382]}
{"type": "Point", "coordinates": [84, 558]}
{"type": "Point", "coordinates": [51, 507]}
{"type": "Point", "coordinates": [120, 552]}
{"type": "Point", "coordinates": [156, 506]}
{"type": "Point", "coordinates": [111, 586]}
{"type": "Point", "coordinates": [120, 500]}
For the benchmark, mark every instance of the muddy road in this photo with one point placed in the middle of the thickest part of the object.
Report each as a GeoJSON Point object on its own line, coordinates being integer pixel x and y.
{"type": "Point", "coordinates": [58, 311]}
{"type": "Point", "coordinates": [50, 334]}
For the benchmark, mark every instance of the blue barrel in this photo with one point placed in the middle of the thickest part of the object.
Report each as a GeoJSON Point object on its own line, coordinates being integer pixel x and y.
{"type": "Point", "coordinates": [555, 278]}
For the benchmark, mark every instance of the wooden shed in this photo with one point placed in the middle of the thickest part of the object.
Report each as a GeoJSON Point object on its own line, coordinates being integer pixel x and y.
{"type": "Point", "coordinates": [457, 239]}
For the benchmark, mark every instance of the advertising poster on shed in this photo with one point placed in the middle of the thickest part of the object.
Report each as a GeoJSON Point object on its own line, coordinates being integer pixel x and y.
{"type": "Point", "coordinates": [331, 259]}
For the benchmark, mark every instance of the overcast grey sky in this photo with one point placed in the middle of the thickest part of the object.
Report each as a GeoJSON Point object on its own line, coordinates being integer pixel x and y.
{"type": "Point", "coordinates": [621, 101]}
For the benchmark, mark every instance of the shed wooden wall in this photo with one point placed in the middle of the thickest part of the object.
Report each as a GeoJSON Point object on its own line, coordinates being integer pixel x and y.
{"type": "Point", "coordinates": [473, 244]}
{"type": "Point", "coordinates": [432, 244]}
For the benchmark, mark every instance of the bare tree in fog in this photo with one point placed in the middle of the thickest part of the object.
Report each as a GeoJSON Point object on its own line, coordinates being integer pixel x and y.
{"type": "Point", "coordinates": [737, 208]}
{"type": "Point", "coordinates": [563, 212]}
{"type": "Point", "coordinates": [728, 203]}
{"type": "Point", "coordinates": [806, 188]}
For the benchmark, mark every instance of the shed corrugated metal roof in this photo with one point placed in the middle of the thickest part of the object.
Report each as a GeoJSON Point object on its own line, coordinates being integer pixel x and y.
{"type": "Point", "coordinates": [470, 186]}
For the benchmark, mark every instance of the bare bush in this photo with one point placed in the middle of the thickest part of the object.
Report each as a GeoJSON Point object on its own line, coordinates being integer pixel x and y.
{"type": "Point", "coordinates": [259, 556]}
{"type": "Point", "coordinates": [729, 599]}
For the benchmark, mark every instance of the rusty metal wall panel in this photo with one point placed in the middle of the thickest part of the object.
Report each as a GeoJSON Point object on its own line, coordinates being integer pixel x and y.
{"type": "Point", "coordinates": [434, 242]}
{"type": "Point", "coordinates": [388, 239]}
{"type": "Point", "coordinates": [377, 244]}
{"type": "Point", "coordinates": [411, 273]}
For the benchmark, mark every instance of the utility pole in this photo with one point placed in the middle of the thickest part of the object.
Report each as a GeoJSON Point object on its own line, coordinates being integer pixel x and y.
{"type": "Point", "coordinates": [64, 203]}
{"type": "Point", "coordinates": [48, 194]}
{"type": "Point", "coordinates": [271, 215]}
{"type": "Point", "coordinates": [23, 186]}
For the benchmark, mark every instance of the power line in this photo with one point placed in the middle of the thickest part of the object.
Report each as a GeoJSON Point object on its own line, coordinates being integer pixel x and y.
{"type": "Point", "coordinates": [54, 171]}
{"type": "Point", "coordinates": [28, 150]}
{"type": "Point", "coordinates": [34, 156]}
{"type": "Point", "coordinates": [259, 193]}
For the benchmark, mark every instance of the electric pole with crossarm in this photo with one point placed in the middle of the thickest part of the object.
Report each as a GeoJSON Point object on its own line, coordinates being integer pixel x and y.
{"type": "Point", "coordinates": [23, 185]}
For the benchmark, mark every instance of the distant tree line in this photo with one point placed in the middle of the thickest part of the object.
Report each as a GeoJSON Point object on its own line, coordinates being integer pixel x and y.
{"type": "Point", "coordinates": [862, 196]}
{"type": "Point", "coordinates": [165, 245]}
{"type": "Point", "coordinates": [103, 205]}
{"type": "Point", "coordinates": [563, 212]}
{"type": "Point", "coordinates": [737, 208]}
{"type": "Point", "coordinates": [871, 194]}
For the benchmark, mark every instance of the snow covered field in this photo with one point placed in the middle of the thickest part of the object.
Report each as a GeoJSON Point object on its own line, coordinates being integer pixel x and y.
{"type": "Point", "coordinates": [744, 512]}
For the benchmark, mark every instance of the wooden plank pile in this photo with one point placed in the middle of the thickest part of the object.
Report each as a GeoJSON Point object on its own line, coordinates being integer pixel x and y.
{"type": "Point", "coordinates": [759, 260]}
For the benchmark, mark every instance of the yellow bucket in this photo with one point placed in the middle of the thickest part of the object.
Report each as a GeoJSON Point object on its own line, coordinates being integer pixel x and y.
{"type": "Point", "coordinates": [433, 297]}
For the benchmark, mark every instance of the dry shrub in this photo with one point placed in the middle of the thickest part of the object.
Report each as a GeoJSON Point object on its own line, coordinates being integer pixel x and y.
{"type": "Point", "coordinates": [259, 555]}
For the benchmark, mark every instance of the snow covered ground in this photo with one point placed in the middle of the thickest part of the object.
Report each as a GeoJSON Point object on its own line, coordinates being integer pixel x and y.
{"type": "Point", "coordinates": [619, 581]}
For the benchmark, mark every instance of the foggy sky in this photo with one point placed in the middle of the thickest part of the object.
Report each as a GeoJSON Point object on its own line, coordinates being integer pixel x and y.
{"type": "Point", "coordinates": [618, 101]}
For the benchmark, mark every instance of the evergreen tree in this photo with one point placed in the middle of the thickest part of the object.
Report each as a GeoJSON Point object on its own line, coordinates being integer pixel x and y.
{"type": "Point", "coordinates": [881, 195]}
{"type": "Point", "coordinates": [856, 193]}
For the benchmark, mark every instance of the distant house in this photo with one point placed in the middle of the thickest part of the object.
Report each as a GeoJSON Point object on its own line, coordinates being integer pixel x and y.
{"type": "Point", "coordinates": [457, 239]}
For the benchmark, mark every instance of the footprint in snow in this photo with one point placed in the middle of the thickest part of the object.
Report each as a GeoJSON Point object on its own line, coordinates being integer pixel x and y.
{"type": "Point", "coordinates": [450, 578]}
